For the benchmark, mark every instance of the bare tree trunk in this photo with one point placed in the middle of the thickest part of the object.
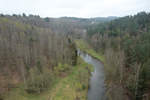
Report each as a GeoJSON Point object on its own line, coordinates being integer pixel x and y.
{"type": "Point", "coordinates": [137, 78]}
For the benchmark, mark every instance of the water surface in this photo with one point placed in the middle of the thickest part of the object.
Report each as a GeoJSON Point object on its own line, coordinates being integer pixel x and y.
{"type": "Point", "coordinates": [97, 87]}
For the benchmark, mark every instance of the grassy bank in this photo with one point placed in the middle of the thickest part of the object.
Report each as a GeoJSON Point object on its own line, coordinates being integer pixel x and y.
{"type": "Point", "coordinates": [70, 87]}
{"type": "Point", "coordinates": [86, 48]}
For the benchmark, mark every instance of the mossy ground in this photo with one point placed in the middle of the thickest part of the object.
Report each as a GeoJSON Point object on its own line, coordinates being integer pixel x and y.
{"type": "Point", "coordinates": [71, 87]}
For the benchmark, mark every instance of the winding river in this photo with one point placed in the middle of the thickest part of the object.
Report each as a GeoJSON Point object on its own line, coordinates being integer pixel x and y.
{"type": "Point", "coordinates": [96, 86]}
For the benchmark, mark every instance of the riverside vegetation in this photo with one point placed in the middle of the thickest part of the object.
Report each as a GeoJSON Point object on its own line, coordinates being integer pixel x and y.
{"type": "Point", "coordinates": [125, 44]}
{"type": "Point", "coordinates": [37, 63]}
{"type": "Point", "coordinates": [65, 84]}
{"type": "Point", "coordinates": [38, 56]}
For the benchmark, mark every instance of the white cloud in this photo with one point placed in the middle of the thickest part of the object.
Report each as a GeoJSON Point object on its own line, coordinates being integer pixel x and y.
{"type": "Point", "coordinates": [76, 8]}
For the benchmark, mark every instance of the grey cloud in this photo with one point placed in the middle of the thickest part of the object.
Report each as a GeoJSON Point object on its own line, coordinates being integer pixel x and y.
{"type": "Point", "coordinates": [76, 8]}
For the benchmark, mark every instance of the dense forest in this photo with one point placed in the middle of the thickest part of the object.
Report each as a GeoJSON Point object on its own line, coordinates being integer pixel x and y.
{"type": "Point", "coordinates": [125, 43]}
{"type": "Point", "coordinates": [39, 56]}
{"type": "Point", "coordinates": [28, 51]}
{"type": "Point", "coordinates": [38, 53]}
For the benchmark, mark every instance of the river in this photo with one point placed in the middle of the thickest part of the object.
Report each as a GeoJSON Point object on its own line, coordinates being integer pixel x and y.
{"type": "Point", "coordinates": [96, 89]}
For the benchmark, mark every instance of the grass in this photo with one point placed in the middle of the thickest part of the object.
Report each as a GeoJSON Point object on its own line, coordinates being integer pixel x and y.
{"type": "Point", "coordinates": [81, 44]}
{"type": "Point", "coordinates": [71, 87]}
{"type": "Point", "coordinates": [21, 94]}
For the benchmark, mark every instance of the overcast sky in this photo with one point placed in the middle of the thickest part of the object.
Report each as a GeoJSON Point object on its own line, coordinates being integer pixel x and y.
{"type": "Point", "coordinates": [74, 8]}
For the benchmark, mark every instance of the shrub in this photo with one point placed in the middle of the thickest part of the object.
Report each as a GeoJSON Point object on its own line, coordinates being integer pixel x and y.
{"type": "Point", "coordinates": [38, 81]}
{"type": "Point", "coordinates": [61, 68]}
{"type": "Point", "coordinates": [83, 87]}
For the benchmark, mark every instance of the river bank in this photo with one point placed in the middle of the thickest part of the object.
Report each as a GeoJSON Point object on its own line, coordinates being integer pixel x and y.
{"type": "Point", "coordinates": [96, 83]}
{"type": "Point", "coordinates": [74, 85]}
{"type": "Point", "coordinates": [114, 90]}
{"type": "Point", "coordinates": [86, 48]}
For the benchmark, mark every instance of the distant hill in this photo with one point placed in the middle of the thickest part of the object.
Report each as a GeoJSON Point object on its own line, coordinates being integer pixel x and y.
{"type": "Point", "coordinates": [103, 19]}
{"type": "Point", "coordinates": [59, 25]}
{"type": "Point", "coordinates": [95, 19]}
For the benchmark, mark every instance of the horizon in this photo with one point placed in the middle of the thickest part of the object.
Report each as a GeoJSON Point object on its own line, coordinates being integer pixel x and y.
{"type": "Point", "coordinates": [21, 14]}
{"type": "Point", "coordinates": [78, 8]}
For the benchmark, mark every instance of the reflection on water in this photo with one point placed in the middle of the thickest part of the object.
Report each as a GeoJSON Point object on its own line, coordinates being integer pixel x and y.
{"type": "Point", "coordinates": [97, 87]}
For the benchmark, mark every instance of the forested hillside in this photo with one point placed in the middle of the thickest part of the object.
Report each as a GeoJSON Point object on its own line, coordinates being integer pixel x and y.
{"type": "Point", "coordinates": [125, 43]}
{"type": "Point", "coordinates": [30, 53]}
{"type": "Point", "coordinates": [39, 56]}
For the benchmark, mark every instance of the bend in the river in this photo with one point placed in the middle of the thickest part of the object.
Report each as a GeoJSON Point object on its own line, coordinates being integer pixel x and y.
{"type": "Point", "coordinates": [96, 84]}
